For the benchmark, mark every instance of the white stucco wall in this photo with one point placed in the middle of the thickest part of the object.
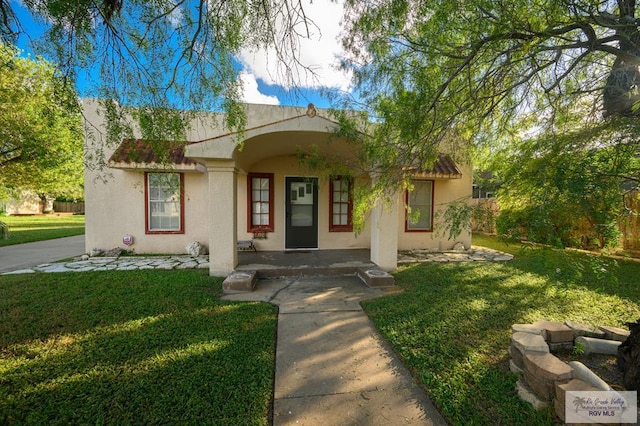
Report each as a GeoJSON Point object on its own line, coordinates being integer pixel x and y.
{"type": "Point", "coordinates": [114, 200]}
{"type": "Point", "coordinates": [445, 192]}
{"type": "Point", "coordinates": [115, 205]}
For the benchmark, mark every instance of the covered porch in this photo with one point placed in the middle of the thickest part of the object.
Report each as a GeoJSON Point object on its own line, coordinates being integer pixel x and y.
{"type": "Point", "coordinates": [268, 153]}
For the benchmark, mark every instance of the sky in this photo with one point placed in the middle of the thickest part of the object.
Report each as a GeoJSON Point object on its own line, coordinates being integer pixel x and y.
{"type": "Point", "coordinates": [259, 76]}
{"type": "Point", "coordinates": [320, 52]}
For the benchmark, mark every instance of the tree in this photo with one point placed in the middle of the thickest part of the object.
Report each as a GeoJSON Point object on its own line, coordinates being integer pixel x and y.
{"type": "Point", "coordinates": [485, 75]}
{"type": "Point", "coordinates": [565, 190]}
{"type": "Point", "coordinates": [463, 63]}
{"type": "Point", "coordinates": [40, 129]}
{"type": "Point", "coordinates": [165, 57]}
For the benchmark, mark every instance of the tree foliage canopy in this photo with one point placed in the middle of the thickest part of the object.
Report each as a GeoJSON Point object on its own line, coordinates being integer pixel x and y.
{"type": "Point", "coordinates": [40, 128]}
{"type": "Point", "coordinates": [429, 66]}
{"type": "Point", "coordinates": [565, 190]}
{"type": "Point", "coordinates": [534, 85]}
{"type": "Point", "coordinates": [163, 55]}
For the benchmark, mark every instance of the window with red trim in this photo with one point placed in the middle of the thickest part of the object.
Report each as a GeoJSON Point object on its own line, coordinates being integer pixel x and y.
{"type": "Point", "coordinates": [260, 202]}
{"type": "Point", "coordinates": [341, 202]}
{"type": "Point", "coordinates": [164, 203]}
{"type": "Point", "coordinates": [420, 207]}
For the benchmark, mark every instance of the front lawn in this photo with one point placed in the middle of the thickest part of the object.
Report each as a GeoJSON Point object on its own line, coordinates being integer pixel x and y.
{"type": "Point", "coordinates": [135, 347]}
{"type": "Point", "coordinates": [27, 229]}
{"type": "Point", "coordinates": [451, 324]}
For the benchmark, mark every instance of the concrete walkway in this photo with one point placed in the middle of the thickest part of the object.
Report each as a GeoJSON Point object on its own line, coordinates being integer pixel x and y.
{"type": "Point", "coordinates": [24, 256]}
{"type": "Point", "coordinates": [332, 368]}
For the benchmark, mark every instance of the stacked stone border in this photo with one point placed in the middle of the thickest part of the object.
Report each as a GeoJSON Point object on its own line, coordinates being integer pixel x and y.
{"type": "Point", "coordinates": [544, 378]}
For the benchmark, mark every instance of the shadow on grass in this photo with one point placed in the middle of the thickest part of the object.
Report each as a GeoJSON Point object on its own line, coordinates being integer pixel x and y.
{"type": "Point", "coordinates": [452, 327]}
{"type": "Point", "coordinates": [137, 347]}
{"type": "Point", "coordinates": [570, 268]}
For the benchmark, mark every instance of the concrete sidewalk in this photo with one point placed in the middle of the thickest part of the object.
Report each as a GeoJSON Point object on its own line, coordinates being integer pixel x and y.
{"type": "Point", "coordinates": [21, 256]}
{"type": "Point", "coordinates": [332, 367]}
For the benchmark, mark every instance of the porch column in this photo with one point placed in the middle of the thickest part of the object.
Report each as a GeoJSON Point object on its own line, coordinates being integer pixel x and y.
{"type": "Point", "coordinates": [384, 234]}
{"type": "Point", "coordinates": [223, 217]}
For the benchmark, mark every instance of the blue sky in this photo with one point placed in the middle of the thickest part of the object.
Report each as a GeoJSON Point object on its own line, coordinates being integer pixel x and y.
{"type": "Point", "coordinates": [320, 52]}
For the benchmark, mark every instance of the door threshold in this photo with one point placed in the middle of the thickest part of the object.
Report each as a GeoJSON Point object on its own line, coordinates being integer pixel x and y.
{"type": "Point", "coordinates": [300, 250]}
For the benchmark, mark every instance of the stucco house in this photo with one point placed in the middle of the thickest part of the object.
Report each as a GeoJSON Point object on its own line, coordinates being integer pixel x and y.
{"type": "Point", "coordinates": [218, 191]}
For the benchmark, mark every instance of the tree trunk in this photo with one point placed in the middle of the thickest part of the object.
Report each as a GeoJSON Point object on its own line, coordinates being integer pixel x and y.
{"type": "Point", "coordinates": [629, 358]}
{"type": "Point", "coordinates": [622, 90]}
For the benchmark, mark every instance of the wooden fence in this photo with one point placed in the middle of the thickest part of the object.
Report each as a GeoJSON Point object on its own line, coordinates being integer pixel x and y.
{"type": "Point", "coordinates": [630, 224]}
{"type": "Point", "coordinates": [68, 207]}
{"type": "Point", "coordinates": [485, 211]}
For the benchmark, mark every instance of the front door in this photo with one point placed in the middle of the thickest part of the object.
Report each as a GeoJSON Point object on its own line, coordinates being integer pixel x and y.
{"type": "Point", "coordinates": [301, 213]}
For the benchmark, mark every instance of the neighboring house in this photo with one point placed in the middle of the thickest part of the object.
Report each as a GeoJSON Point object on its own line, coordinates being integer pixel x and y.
{"type": "Point", "coordinates": [485, 185]}
{"type": "Point", "coordinates": [29, 203]}
{"type": "Point", "coordinates": [220, 189]}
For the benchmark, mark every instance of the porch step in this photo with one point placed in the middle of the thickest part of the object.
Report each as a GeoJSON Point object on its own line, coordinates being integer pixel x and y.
{"type": "Point", "coordinates": [375, 277]}
{"type": "Point", "coordinates": [243, 280]}
{"type": "Point", "coordinates": [240, 281]}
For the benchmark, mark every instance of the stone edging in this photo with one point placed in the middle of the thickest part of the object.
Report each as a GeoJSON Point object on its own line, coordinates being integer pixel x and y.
{"type": "Point", "coordinates": [544, 378]}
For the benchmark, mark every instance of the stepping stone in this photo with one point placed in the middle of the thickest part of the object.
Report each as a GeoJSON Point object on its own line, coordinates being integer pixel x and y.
{"type": "Point", "coordinates": [615, 333]}
{"type": "Point", "coordinates": [556, 331]}
{"type": "Point", "coordinates": [528, 328]}
{"type": "Point", "coordinates": [580, 329]}
{"type": "Point", "coordinates": [503, 258]}
{"type": "Point", "coordinates": [187, 265]}
{"type": "Point", "coordinates": [529, 342]}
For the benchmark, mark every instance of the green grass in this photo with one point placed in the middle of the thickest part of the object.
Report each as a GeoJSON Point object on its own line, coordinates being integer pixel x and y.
{"type": "Point", "coordinates": [27, 229]}
{"type": "Point", "coordinates": [451, 324]}
{"type": "Point", "coordinates": [135, 347]}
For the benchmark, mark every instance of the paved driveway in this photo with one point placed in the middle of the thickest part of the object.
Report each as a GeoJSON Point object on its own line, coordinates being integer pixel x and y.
{"type": "Point", "coordinates": [21, 256]}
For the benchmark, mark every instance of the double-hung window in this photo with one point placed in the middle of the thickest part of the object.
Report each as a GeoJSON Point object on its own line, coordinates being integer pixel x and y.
{"type": "Point", "coordinates": [341, 204]}
{"type": "Point", "coordinates": [164, 203]}
{"type": "Point", "coordinates": [420, 206]}
{"type": "Point", "coordinates": [260, 194]}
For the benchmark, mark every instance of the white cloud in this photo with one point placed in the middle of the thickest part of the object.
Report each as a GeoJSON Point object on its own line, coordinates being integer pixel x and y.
{"type": "Point", "coordinates": [321, 52]}
{"type": "Point", "coordinates": [250, 92]}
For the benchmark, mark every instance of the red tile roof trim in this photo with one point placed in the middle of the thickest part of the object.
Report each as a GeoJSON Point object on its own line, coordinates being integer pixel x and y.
{"type": "Point", "coordinates": [139, 151]}
{"type": "Point", "coordinates": [444, 166]}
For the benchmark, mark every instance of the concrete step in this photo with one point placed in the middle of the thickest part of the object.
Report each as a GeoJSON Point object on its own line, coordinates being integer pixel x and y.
{"type": "Point", "coordinates": [375, 277]}
{"type": "Point", "coordinates": [242, 280]}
